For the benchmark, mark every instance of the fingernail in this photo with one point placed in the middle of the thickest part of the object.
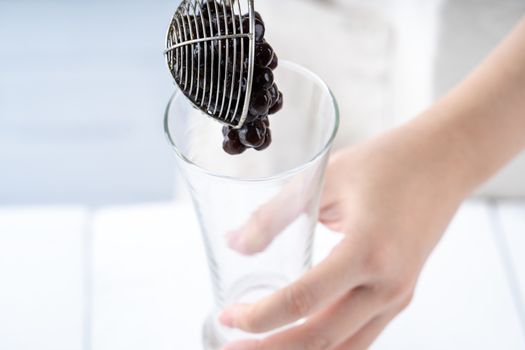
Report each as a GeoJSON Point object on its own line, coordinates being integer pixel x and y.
{"type": "Point", "coordinates": [232, 236]}
{"type": "Point", "coordinates": [238, 242]}
{"type": "Point", "coordinates": [227, 317]}
{"type": "Point", "coordinates": [230, 314]}
{"type": "Point", "coordinates": [234, 239]}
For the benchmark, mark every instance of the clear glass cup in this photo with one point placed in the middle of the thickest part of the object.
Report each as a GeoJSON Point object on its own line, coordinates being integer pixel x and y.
{"type": "Point", "coordinates": [258, 210]}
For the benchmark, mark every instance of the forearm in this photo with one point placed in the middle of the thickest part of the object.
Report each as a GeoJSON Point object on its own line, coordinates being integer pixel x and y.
{"type": "Point", "coordinates": [480, 125]}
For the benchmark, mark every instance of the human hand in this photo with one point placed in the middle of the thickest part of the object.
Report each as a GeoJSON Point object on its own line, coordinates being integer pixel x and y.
{"type": "Point", "coordinates": [391, 200]}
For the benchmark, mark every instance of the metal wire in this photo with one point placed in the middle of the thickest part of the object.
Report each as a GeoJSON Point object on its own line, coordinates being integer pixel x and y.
{"type": "Point", "coordinates": [193, 50]}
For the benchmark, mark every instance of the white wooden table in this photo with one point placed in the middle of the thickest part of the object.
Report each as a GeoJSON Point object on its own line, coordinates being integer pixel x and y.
{"type": "Point", "coordinates": [135, 277]}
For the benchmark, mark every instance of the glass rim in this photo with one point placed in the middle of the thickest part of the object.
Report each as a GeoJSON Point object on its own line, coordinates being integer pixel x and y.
{"type": "Point", "coordinates": [282, 174]}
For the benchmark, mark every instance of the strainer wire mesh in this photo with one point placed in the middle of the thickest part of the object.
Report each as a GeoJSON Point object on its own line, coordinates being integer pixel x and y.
{"type": "Point", "coordinates": [207, 50]}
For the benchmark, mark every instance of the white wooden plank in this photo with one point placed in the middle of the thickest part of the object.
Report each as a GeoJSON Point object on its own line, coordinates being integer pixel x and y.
{"type": "Point", "coordinates": [152, 290]}
{"type": "Point", "coordinates": [463, 300]}
{"type": "Point", "coordinates": [151, 285]}
{"type": "Point", "coordinates": [512, 219]}
{"type": "Point", "coordinates": [41, 278]}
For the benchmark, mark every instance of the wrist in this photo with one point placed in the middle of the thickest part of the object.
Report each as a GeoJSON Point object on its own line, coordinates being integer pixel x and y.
{"type": "Point", "coordinates": [438, 153]}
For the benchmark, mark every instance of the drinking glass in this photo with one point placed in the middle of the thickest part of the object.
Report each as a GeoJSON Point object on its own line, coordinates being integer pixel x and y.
{"type": "Point", "coordinates": [258, 210]}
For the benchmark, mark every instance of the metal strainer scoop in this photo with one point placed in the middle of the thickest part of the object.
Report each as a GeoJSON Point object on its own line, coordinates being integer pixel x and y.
{"type": "Point", "coordinates": [210, 52]}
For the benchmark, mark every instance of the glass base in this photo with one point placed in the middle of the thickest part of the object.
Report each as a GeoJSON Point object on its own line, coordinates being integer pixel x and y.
{"type": "Point", "coordinates": [248, 290]}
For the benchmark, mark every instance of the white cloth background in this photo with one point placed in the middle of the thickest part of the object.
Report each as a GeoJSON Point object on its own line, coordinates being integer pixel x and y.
{"type": "Point", "coordinates": [386, 61]}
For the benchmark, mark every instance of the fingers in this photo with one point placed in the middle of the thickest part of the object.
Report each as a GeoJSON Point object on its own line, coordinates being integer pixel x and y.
{"type": "Point", "coordinates": [265, 224]}
{"type": "Point", "coordinates": [329, 328]}
{"type": "Point", "coordinates": [368, 334]}
{"type": "Point", "coordinates": [318, 288]}
{"type": "Point", "coordinates": [271, 218]}
{"type": "Point", "coordinates": [325, 330]}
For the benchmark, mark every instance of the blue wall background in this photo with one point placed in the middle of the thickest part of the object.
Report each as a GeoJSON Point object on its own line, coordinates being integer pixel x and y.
{"type": "Point", "coordinates": [83, 85]}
